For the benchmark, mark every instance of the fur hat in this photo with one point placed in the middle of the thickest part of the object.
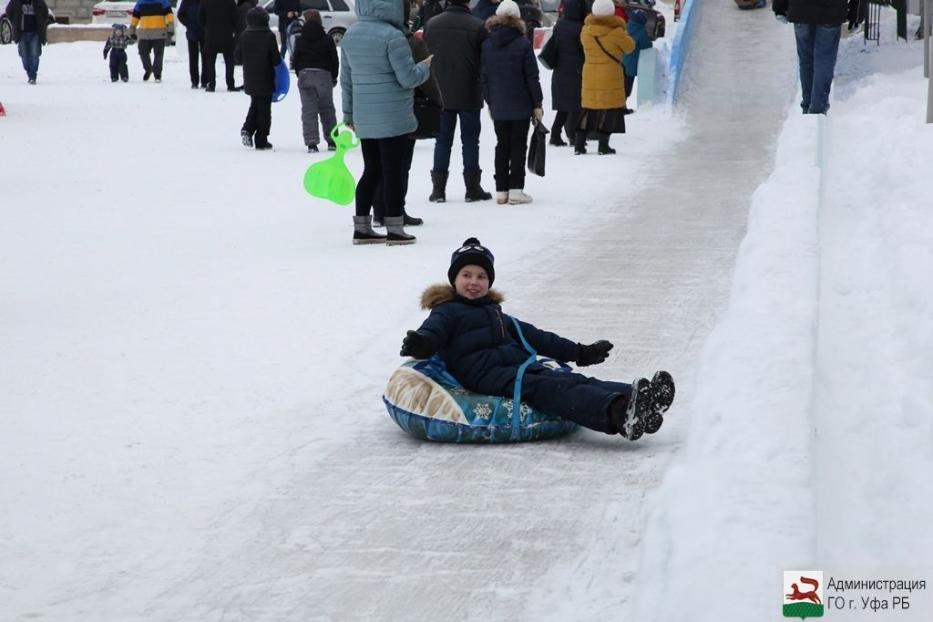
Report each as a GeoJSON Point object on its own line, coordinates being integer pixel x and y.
{"type": "Point", "coordinates": [509, 7]}
{"type": "Point", "coordinates": [472, 253]}
{"type": "Point", "coordinates": [603, 8]}
{"type": "Point", "coordinates": [257, 17]}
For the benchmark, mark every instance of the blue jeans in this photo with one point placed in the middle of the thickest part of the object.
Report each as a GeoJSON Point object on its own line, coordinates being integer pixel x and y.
{"type": "Point", "coordinates": [469, 139]}
{"type": "Point", "coordinates": [816, 52]}
{"type": "Point", "coordinates": [29, 51]}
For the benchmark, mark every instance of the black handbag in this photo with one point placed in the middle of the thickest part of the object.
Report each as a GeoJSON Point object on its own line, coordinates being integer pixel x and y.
{"type": "Point", "coordinates": [548, 54]}
{"type": "Point", "coordinates": [428, 115]}
{"type": "Point", "coordinates": [536, 150]}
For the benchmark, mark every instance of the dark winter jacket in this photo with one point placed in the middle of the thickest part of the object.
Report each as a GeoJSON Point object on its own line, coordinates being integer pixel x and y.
{"type": "Point", "coordinates": [314, 49]}
{"type": "Point", "coordinates": [258, 50]}
{"type": "Point", "coordinates": [510, 70]}
{"type": "Point", "coordinates": [218, 18]}
{"type": "Point", "coordinates": [282, 8]}
{"type": "Point", "coordinates": [242, 8]}
{"type": "Point", "coordinates": [455, 37]}
{"type": "Point", "coordinates": [485, 9]}
{"type": "Point", "coordinates": [478, 342]}
{"type": "Point", "coordinates": [429, 10]}
{"type": "Point", "coordinates": [189, 15]}
{"type": "Point", "coordinates": [820, 12]}
{"type": "Point", "coordinates": [638, 32]}
{"type": "Point", "coordinates": [568, 71]}
{"type": "Point", "coordinates": [14, 11]}
{"type": "Point", "coordinates": [430, 88]}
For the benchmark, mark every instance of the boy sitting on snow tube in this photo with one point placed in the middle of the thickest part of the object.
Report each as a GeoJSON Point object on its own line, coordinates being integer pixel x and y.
{"type": "Point", "coordinates": [491, 353]}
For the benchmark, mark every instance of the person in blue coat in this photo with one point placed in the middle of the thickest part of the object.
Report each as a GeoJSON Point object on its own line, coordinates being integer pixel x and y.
{"type": "Point", "coordinates": [378, 81]}
{"type": "Point", "coordinates": [509, 79]}
{"type": "Point", "coordinates": [189, 16]}
{"type": "Point", "coordinates": [482, 348]}
{"type": "Point", "coordinates": [639, 32]}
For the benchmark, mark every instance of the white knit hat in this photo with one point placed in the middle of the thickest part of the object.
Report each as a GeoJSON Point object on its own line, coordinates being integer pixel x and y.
{"type": "Point", "coordinates": [603, 8]}
{"type": "Point", "coordinates": [508, 7]}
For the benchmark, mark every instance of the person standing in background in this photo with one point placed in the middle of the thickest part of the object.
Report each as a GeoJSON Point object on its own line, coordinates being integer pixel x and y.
{"type": "Point", "coordinates": [219, 19]}
{"type": "Point", "coordinates": [153, 23]}
{"type": "Point", "coordinates": [190, 17]}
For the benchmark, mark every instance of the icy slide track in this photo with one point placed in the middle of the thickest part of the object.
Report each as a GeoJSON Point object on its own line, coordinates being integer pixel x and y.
{"type": "Point", "coordinates": [550, 530]}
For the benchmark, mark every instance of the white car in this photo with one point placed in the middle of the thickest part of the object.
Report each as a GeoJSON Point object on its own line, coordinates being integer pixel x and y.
{"type": "Point", "coordinates": [336, 15]}
{"type": "Point", "coordinates": [110, 12]}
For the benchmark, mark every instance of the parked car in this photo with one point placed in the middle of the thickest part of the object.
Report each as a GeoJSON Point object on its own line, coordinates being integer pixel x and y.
{"type": "Point", "coordinates": [6, 30]}
{"type": "Point", "coordinates": [112, 12]}
{"type": "Point", "coordinates": [336, 15]}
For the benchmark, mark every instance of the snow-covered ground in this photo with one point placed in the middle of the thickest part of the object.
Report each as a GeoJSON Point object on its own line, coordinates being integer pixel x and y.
{"type": "Point", "coordinates": [191, 354]}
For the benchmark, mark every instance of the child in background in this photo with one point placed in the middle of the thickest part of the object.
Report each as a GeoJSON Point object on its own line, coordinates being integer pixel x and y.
{"type": "Point", "coordinates": [482, 348]}
{"type": "Point", "coordinates": [259, 53]}
{"type": "Point", "coordinates": [116, 47]}
{"type": "Point", "coordinates": [317, 66]}
{"type": "Point", "coordinates": [638, 31]}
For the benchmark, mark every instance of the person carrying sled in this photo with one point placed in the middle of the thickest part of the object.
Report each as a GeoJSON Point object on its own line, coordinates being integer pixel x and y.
{"type": "Point", "coordinates": [482, 348]}
{"type": "Point", "coordinates": [259, 53]}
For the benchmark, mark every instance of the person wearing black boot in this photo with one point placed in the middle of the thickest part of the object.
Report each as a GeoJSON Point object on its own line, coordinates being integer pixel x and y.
{"type": "Point", "coordinates": [218, 17]}
{"type": "Point", "coordinates": [483, 348]}
{"type": "Point", "coordinates": [455, 37]}
{"type": "Point", "coordinates": [189, 14]}
{"type": "Point", "coordinates": [378, 78]}
{"type": "Point", "coordinates": [259, 53]}
{"type": "Point", "coordinates": [568, 71]}
{"type": "Point", "coordinates": [605, 40]}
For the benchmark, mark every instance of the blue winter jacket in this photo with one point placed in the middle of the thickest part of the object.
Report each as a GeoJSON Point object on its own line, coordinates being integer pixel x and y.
{"type": "Point", "coordinates": [510, 71]}
{"type": "Point", "coordinates": [379, 74]}
{"type": "Point", "coordinates": [637, 31]}
{"type": "Point", "coordinates": [479, 344]}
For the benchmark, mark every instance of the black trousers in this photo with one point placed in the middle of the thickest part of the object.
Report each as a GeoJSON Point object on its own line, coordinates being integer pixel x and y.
{"type": "Point", "coordinates": [511, 148]}
{"type": "Point", "coordinates": [629, 83]}
{"type": "Point", "coordinates": [118, 68]}
{"type": "Point", "coordinates": [208, 72]}
{"type": "Point", "coordinates": [259, 119]}
{"type": "Point", "coordinates": [156, 47]}
{"type": "Point", "coordinates": [379, 203]}
{"type": "Point", "coordinates": [565, 121]}
{"type": "Point", "coordinates": [383, 161]}
{"type": "Point", "coordinates": [195, 48]}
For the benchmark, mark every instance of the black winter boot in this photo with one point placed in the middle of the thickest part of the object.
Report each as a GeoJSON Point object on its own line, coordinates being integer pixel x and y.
{"type": "Point", "coordinates": [579, 142]}
{"type": "Point", "coordinates": [363, 231]}
{"type": "Point", "coordinates": [627, 416]}
{"type": "Point", "coordinates": [396, 229]}
{"type": "Point", "coordinates": [439, 193]}
{"type": "Point", "coordinates": [604, 148]}
{"type": "Point", "coordinates": [474, 191]}
{"type": "Point", "coordinates": [662, 396]}
{"type": "Point", "coordinates": [411, 221]}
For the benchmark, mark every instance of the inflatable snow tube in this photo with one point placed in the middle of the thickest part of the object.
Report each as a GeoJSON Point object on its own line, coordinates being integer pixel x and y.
{"type": "Point", "coordinates": [429, 403]}
{"type": "Point", "coordinates": [282, 82]}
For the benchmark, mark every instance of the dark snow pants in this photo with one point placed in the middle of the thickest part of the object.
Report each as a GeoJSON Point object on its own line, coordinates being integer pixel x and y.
{"type": "Point", "coordinates": [511, 148]}
{"type": "Point", "coordinates": [316, 87]}
{"type": "Point", "coordinates": [209, 68]}
{"type": "Point", "coordinates": [572, 396]}
{"type": "Point", "coordinates": [259, 119]}
{"type": "Point", "coordinates": [383, 167]}
{"type": "Point", "coordinates": [118, 68]}
{"type": "Point", "coordinates": [152, 64]}
{"type": "Point", "coordinates": [195, 49]}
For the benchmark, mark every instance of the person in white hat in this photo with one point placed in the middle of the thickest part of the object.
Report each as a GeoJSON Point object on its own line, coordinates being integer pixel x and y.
{"type": "Point", "coordinates": [605, 41]}
{"type": "Point", "coordinates": [510, 84]}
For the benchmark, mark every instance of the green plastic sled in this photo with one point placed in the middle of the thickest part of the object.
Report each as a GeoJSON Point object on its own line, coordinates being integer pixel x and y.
{"type": "Point", "coordinates": [331, 179]}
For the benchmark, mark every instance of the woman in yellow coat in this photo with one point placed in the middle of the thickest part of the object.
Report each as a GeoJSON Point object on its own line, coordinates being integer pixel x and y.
{"type": "Point", "coordinates": [605, 41]}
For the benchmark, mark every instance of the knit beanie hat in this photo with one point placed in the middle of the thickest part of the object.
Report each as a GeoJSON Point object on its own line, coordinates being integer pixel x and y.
{"type": "Point", "coordinates": [472, 253]}
{"type": "Point", "coordinates": [508, 7]}
{"type": "Point", "coordinates": [603, 8]}
{"type": "Point", "coordinates": [257, 17]}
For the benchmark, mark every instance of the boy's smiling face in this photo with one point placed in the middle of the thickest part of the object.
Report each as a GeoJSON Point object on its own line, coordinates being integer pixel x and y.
{"type": "Point", "coordinates": [472, 282]}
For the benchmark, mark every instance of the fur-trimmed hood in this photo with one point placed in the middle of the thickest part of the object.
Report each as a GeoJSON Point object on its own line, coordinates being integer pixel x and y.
{"type": "Point", "coordinates": [509, 21]}
{"type": "Point", "coordinates": [442, 292]}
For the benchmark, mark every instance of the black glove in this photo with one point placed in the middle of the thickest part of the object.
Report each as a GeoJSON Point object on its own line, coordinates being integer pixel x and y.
{"type": "Point", "coordinates": [417, 345]}
{"type": "Point", "coordinates": [594, 353]}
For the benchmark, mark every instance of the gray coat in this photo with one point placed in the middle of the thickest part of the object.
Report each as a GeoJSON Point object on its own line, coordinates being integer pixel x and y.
{"type": "Point", "coordinates": [378, 74]}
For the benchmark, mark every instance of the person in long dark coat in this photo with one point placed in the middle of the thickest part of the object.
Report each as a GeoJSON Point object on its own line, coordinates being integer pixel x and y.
{"type": "Point", "coordinates": [258, 52]}
{"type": "Point", "coordinates": [219, 19]}
{"type": "Point", "coordinates": [189, 14]}
{"type": "Point", "coordinates": [568, 71]}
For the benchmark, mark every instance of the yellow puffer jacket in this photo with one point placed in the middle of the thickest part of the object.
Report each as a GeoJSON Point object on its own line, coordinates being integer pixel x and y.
{"type": "Point", "coordinates": [603, 83]}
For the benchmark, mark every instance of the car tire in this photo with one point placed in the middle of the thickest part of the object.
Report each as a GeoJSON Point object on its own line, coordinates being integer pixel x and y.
{"type": "Point", "coordinates": [337, 34]}
{"type": "Point", "coordinates": [6, 31]}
